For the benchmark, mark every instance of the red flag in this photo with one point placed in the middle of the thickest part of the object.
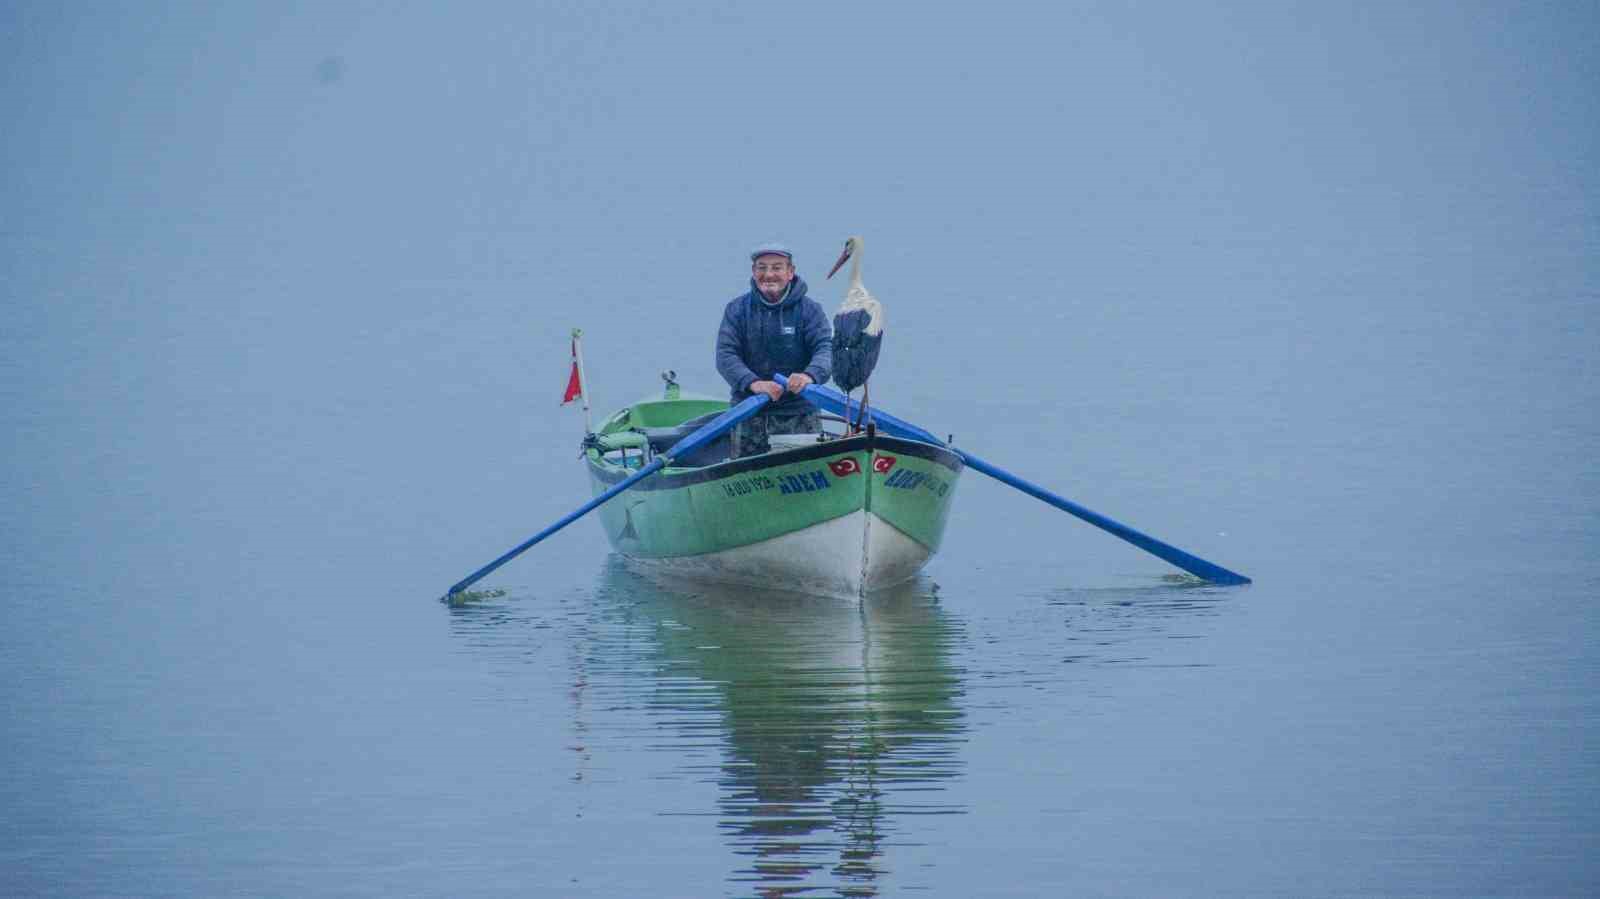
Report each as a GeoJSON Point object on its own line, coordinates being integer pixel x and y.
{"type": "Point", "coordinates": [574, 384]}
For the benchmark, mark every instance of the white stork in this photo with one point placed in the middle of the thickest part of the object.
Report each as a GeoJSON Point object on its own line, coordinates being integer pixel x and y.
{"type": "Point", "coordinates": [857, 329]}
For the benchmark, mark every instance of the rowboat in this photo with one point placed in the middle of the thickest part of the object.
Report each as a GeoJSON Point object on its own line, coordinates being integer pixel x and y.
{"type": "Point", "coordinates": [831, 513]}
{"type": "Point", "coordinates": [837, 514]}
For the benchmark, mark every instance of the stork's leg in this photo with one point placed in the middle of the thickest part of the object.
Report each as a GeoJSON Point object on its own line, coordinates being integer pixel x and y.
{"type": "Point", "coordinates": [861, 416]}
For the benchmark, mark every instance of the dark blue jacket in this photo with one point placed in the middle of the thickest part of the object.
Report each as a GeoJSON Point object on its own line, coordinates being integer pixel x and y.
{"type": "Point", "coordinates": [759, 339]}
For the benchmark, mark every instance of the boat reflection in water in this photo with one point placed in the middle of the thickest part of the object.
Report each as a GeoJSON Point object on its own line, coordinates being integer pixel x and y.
{"type": "Point", "coordinates": [825, 725]}
{"type": "Point", "coordinates": [837, 717]}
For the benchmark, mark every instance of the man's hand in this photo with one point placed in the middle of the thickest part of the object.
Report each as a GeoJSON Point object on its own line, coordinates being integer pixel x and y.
{"type": "Point", "coordinates": [799, 381]}
{"type": "Point", "coordinates": [772, 389]}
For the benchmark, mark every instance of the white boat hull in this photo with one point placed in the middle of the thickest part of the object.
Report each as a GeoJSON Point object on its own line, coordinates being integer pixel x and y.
{"type": "Point", "coordinates": [847, 557]}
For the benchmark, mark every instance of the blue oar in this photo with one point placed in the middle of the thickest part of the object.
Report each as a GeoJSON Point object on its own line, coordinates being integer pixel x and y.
{"type": "Point", "coordinates": [708, 432]}
{"type": "Point", "coordinates": [838, 403]}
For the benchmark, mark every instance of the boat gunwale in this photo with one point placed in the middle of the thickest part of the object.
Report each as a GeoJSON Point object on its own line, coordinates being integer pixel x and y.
{"type": "Point", "coordinates": [674, 478]}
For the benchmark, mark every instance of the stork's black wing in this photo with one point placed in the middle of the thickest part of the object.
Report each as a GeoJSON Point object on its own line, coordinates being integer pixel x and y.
{"type": "Point", "coordinates": [855, 352]}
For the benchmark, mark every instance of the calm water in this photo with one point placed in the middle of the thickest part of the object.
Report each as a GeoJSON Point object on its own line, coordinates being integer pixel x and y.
{"type": "Point", "coordinates": [1311, 292]}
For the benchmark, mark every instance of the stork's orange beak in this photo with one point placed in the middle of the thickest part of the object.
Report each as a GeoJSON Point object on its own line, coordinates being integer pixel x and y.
{"type": "Point", "coordinates": [843, 258]}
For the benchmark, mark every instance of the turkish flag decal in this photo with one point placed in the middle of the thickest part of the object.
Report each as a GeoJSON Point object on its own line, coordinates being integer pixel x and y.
{"type": "Point", "coordinates": [882, 464]}
{"type": "Point", "coordinates": [844, 468]}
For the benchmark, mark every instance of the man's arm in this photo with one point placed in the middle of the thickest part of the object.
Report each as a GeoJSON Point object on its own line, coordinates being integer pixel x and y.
{"type": "Point", "coordinates": [729, 364]}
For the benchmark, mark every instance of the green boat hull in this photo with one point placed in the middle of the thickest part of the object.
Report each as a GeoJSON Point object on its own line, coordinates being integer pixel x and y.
{"type": "Point", "coordinates": [839, 517]}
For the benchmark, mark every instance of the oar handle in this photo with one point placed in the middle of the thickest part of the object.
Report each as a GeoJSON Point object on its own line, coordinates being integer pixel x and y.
{"type": "Point", "coordinates": [838, 403]}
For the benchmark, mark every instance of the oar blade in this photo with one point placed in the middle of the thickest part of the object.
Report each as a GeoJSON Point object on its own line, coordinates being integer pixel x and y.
{"type": "Point", "coordinates": [838, 403]}
{"type": "Point", "coordinates": [1209, 571]}
{"type": "Point", "coordinates": [595, 503]}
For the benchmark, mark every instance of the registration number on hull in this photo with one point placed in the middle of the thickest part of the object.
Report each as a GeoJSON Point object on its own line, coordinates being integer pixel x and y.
{"type": "Point", "coordinates": [804, 482]}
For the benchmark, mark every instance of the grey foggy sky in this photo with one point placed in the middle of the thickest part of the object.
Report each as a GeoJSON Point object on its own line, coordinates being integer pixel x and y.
{"type": "Point", "coordinates": [555, 119]}
{"type": "Point", "coordinates": [223, 222]}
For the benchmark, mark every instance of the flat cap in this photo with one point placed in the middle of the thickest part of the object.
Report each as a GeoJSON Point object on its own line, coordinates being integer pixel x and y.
{"type": "Point", "coordinates": [771, 248]}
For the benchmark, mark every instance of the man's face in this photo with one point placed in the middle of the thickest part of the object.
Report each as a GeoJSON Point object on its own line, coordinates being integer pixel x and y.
{"type": "Point", "coordinates": [773, 274]}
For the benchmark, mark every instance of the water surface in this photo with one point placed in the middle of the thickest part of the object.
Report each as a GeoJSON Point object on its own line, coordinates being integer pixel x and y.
{"type": "Point", "coordinates": [1308, 291]}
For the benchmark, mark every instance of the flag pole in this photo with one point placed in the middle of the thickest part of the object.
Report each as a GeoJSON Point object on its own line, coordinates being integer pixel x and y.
{"type": "Point", "coordinates": [583, 378]}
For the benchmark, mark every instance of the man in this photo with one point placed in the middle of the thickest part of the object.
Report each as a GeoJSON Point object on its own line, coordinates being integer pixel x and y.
{"type": "Point", "coordinates": [774, 328]}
